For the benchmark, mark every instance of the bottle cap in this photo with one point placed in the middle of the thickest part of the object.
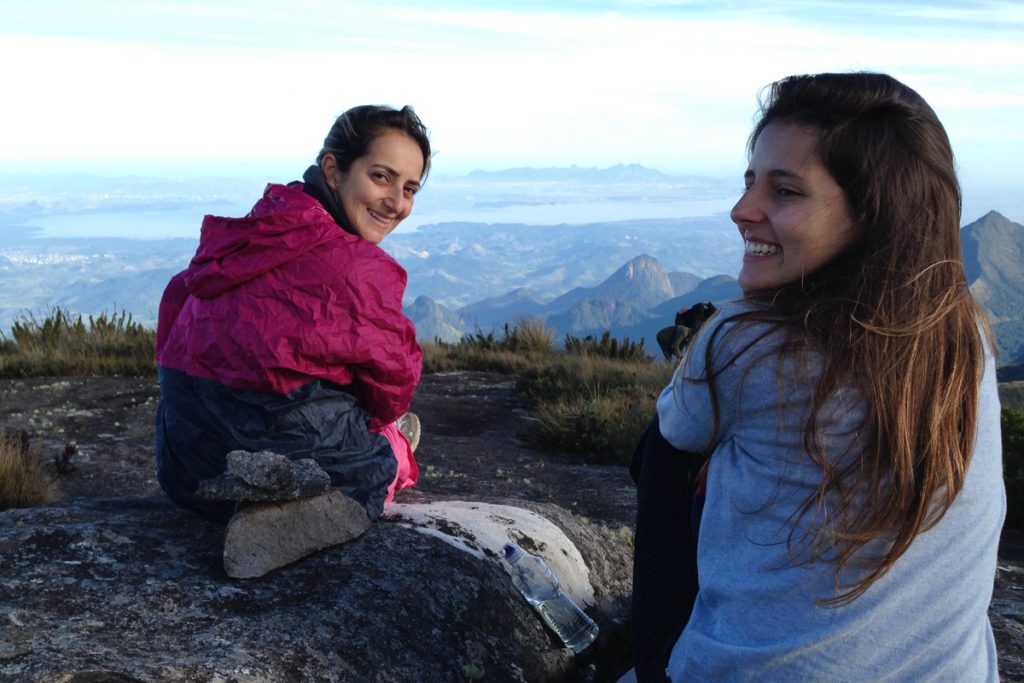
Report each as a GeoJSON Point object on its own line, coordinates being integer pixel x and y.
{"type": "Point", "coordinates": [511, 551]}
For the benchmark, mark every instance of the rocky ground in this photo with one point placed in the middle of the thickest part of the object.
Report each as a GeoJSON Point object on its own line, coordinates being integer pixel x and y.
{"type": "Point", "coordinates": [469, 448]}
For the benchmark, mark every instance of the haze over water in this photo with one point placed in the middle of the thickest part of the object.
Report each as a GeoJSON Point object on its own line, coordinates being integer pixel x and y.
{"type": "Point", "coordinates": [220, 88]}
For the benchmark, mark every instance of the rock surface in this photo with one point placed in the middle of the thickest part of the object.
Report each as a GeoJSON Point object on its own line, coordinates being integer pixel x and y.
{"type": "Point", "coordinates": [92, 582]}
{"type": "Point", "coordinates": [133, 589]}
{"type": "Point", "coordinates": [113, 583]}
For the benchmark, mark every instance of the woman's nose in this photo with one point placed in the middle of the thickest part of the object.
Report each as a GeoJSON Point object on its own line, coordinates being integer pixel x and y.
{"type": "Point", "coordinates": [396, 200]}
{"type": "Point", "coordinates": [747, 208]}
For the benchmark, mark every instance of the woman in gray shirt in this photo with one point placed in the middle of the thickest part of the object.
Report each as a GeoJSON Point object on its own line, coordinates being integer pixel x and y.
{"type": "Point", "coordinates": [847, 409]}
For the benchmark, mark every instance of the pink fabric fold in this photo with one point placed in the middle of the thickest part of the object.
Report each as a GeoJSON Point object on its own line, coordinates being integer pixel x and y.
{"type": "Point", "coordinates": [408, 470]}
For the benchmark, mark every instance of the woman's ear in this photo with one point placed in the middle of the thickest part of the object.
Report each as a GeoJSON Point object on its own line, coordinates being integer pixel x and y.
{"type": "Point", "coordinates": [328, 166]}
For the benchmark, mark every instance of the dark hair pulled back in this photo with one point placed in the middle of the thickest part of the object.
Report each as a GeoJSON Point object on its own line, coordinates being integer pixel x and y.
{"type": "Point", "coordinates": [353, 132]}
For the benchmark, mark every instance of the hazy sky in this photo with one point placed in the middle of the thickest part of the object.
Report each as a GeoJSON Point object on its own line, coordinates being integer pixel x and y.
{"type": "Point", "coordinates": [669, 84]}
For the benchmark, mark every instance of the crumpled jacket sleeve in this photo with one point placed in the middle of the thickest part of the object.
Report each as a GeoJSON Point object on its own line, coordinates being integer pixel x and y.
{"type": "Point", "coordinates": [376, 341]}
{"type": "Point", "coordinates": [174, 297]}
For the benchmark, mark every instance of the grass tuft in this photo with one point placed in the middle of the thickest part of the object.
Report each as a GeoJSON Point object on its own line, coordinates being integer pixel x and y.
{"type": "Point", "coordinates": [63, 343]}
{"type": "Point", "coordinates": [607, 346]}
{"type": "Point", "coordinates": [23, 480]}
{"type": "Point", "coordinates": [516, 349]}
{"type": "Point", "coordinates": [601, 424]}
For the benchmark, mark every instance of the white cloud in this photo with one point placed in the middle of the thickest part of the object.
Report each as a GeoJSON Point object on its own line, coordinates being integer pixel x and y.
{"type": "Point", "coordinates": [669, 84]}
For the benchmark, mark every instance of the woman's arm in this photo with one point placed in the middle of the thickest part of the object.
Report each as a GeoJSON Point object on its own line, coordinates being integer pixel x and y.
{"type": "Point", "coordinates": [381, 349]}
{"type": "Point", "coordinates": [744, 353]}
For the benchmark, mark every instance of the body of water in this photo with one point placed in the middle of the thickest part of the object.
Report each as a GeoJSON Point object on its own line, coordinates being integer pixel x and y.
{"type": "Point", "coordinates": [160, 224]}
{"type": "Point", "coordinates": [439, 203]}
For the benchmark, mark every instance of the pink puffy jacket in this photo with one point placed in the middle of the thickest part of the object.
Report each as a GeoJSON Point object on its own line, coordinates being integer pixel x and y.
{"type": "Point", "coordinates": [282, 296]}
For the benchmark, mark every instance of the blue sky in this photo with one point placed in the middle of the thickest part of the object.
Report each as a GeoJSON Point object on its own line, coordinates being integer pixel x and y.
{"type": "Point", "coordinates": [196, 85]}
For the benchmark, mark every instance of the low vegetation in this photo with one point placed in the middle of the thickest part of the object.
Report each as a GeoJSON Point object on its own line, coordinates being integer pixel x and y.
{"type": "Point", "coordinates": [24, 481]}
{"type": "Point", "coordinates": [1011, 394]}
{"type": "Point", "coordinates": [515, 349]}
{"type": "Point", "coordinates": [65, 343]}
{"type": "Point", "coordinates": [591, 398]}
{"type": "Point", "coordinates": [606, 347]}
{"type": "Point", "coordinates": [1013, 466]}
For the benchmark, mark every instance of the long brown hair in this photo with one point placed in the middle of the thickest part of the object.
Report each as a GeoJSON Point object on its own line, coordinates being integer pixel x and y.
{"type": "Point", "coordinates": [891, 316]}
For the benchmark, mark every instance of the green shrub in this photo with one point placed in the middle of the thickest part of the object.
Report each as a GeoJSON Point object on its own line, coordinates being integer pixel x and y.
{"type": "Point", "coordinates": [604, 426]}
{"type": "Point", "coordinates": [593, 399]}
{"type": "Point", "coordinates": [63, 343]}
{"type": "Point", "coordinates": [607, 346]}
{"type": "Point", "coordinates": [595, 406]}
{"type": "Point", "coordinates": [1012, 423]}
{"type": "Point", "coordinates": [569, 375]}
{"type": "Point", "coordinates": [444, 357]}
{"type": "Point", "coordinates": [516, 349]}
{"type": "Point", "coordinates": [1011, 395]}
{"type": "Point", "coordinates": [527, 336]}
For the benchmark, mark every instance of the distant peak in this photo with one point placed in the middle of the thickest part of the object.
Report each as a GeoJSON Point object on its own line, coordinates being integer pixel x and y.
{"type": "Point", "coordinates": [643, 261]}
{"type": "Point", "coordinates": [993, 220]}
{"type": "Point", "coordinates": [641, 266]}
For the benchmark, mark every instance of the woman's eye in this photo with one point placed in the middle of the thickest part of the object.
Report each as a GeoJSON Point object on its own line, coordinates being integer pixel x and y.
{"type": "Point", "coordinates": [411, 191]}
{"type": "Point", "coordinates": [380, 176]}
{"type": "Point", "coordinates": [785, 192]}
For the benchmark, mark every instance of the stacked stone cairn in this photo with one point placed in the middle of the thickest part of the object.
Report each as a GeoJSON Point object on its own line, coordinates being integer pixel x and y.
{"type": "Point", "coordinates": [286, 510]}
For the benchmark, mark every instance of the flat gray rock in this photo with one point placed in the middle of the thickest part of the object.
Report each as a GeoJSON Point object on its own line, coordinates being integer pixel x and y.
{"type": "Point", "coordinates": [266, 536]}
{"type": "Point", "coordinates": [263, 469]}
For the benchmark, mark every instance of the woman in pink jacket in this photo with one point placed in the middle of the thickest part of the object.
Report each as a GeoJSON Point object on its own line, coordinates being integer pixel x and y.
{"type": "Point", "coordinates": [286, 333]}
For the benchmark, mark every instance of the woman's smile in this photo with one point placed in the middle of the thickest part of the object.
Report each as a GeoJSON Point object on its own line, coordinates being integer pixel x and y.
{"type": "Point", "coordinates": [758, 248]}
{"type": "Point", "coordinates": [378, 191]}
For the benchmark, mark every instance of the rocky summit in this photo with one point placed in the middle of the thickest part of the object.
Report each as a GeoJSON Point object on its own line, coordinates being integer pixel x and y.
{"type": "Point", "coordinates": [132, 589]}
{"type": "Point", "coordinates": [111, 582]}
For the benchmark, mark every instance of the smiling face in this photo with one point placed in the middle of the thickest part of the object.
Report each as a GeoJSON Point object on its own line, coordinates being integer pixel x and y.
{"type": "Point", "coordinates": [377, 192]}
{"type": "Point", "coordinates": [793, 216]}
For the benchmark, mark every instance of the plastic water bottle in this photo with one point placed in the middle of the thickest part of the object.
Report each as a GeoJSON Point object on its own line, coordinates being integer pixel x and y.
{"type": "Point", "coordinates": [539, 585]}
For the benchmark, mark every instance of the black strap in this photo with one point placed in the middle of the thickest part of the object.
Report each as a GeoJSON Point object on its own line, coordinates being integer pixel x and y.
{"type": "Point", "coordinates": [665, 550]}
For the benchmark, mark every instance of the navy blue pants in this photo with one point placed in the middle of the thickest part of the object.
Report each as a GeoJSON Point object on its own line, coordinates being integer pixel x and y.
{"type": "Point", "coordinates": [199, 421]}
{"type": "Point", "coordinates": [665, 549]}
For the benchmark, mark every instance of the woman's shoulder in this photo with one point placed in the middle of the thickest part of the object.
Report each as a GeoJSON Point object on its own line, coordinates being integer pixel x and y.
{"type": "Point", "coordinates": [364, 259]}
{"type": "Point", "coordinates": [743, 342]}
{"type": "Point", "coordinates": [740, 324]}
{"type": "Point", "coordinates": [743, 308]}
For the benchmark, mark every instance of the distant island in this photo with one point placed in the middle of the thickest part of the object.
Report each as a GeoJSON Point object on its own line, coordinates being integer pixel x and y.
{"type": "Point", "coordinates": [619, 173]}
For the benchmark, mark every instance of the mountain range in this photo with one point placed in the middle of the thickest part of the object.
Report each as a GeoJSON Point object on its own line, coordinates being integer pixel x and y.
{"type": "Point", "coordinates": [625, 277]}
{"type": "Point", "coordinates": [458, 264]}
{"type": "Point", "coordinates": [641, 297]}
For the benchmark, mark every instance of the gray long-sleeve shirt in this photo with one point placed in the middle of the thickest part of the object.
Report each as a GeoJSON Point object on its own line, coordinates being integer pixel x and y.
{"type": "Point", "coordinates": [756, 617]}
